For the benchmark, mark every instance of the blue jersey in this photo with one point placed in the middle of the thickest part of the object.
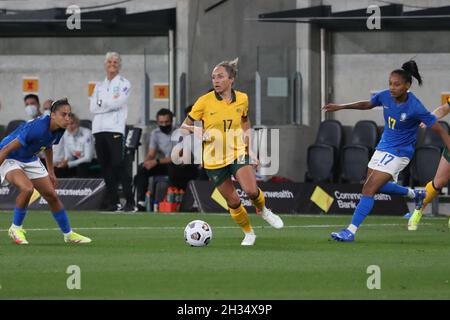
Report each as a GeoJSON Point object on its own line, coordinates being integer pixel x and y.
{"type": "Point", "coordinates": [34, 136]}
{"type": "Point", "coordinates": [401, 123]}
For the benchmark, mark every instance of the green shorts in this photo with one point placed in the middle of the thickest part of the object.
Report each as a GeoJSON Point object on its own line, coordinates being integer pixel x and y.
{"type": "Point", "coordinates": [446, 154]}
{"type": "Point", "coordinates": [218, 176]}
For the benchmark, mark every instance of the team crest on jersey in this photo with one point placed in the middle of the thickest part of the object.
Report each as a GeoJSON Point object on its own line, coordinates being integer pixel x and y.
{"type": "Point", "coordinates": [116, 92]}
{"type": "Point", "coordinates": [403, 117]}
{"type": "Point", "coordinates": [238, 110]}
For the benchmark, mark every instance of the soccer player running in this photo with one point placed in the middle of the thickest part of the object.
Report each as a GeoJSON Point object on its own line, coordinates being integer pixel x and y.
{"type": "Point", "coordinates": [403, 112]}
{"type": "Point", "coordinates": [20, 166]}
{"type": "Point", "coordinates": [224, 113]}
{"type": "Point", "coordinates": [441, 178]}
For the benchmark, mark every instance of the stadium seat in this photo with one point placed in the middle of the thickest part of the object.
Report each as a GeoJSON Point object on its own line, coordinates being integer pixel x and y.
{"type": "Point", "coordinates": [356, 155]}
{"type": "Point", "coordinates": [320, 162]}
{"type": "Point", "coordinates": [424, 164]}
{"type": "Point", "coordinates": [431, 138]}
{"type": "Point", "coordinates": [354, 163]}
{"type": "Point", "coordinates": [86, 123]}
{"type": "Point", "coordinates": [13, 125]}
{"type": "Point", "coordinates": [330, 133]}
{"type": "Point", "coordinates": [365, 133]}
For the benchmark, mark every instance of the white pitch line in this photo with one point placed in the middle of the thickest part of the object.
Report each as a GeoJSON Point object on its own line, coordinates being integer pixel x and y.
{"type": "Point", "coordinates": [218, 227]}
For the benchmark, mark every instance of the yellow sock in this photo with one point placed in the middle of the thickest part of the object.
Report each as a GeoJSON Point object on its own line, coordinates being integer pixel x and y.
{"type": "Point", "coordinates": [260, 201]}
{"type": "Point", "coordinates": [241, 217]}
{"type": "Point", "coordinates": [431, 194]}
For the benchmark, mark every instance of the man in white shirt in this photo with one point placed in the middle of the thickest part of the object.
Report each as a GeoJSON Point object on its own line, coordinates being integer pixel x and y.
{"type": "Point", "coordinates": [109, 106]}
{"type": "Point", "coordinates": [78, 151]}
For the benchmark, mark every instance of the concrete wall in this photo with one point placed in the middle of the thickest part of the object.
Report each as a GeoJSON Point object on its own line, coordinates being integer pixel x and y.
{"type": "Point", "coordinates": [228, 32]}
{"type": "Point", "coordinates": [65, 66]}
{"type": "Point", "coordinates": [361, 62]}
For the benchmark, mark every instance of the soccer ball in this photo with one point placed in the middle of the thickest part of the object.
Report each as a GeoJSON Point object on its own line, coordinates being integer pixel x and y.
{"type": "Point", "coordinates": [197, 233]}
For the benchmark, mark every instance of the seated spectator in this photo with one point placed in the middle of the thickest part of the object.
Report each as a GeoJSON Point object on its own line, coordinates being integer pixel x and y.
{"type": "Point", "coordinates": [78, 151]}
{"type": "Point", "coordinates": [46, 106]}
{"type": "Point", "coordinates": [32, 106]}
{"type": "Point", "coordinates": [158, 160]}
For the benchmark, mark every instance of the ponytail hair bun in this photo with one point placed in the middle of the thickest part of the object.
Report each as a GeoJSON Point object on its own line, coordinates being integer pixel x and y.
{"type": "Point", "coordinates": [230, 67]}
{"type": "Point", "coordinates": [411, 68]}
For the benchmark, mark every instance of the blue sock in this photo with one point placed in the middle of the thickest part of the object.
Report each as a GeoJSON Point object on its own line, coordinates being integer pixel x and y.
{"type": "Point", "coordinates": [362, 210]}
{"type": "Point", "coordinates": [62, 220]}
{"type": "Point", "coordinates": [19, 216]}
{"type": "Point", "coordinates": [393, 188]}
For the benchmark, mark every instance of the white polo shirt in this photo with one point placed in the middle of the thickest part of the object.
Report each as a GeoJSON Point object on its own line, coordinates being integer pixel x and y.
{"type": "Point", "coordinates": [109, 105]}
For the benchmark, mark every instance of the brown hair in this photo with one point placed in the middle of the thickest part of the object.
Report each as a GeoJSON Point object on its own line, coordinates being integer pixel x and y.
{"type": "Point", "coordinates": [75, 119]}
{"type": "Point", "coordinates": [230, 67]}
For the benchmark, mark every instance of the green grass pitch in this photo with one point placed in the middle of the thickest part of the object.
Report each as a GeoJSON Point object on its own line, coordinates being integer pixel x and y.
{"type": "Point", "coordinates": [143, 256]}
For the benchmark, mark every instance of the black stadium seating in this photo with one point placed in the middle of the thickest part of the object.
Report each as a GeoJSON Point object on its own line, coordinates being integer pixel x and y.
{"type": "Point", "coordinates": [365, 133]}
{"type": "Point", "coordinates": [330, 133]}
{"type": "Point", "coordinates": [323, 155]}
{"type": "Point", "coordinates": [354, 163]}
{"type": "Point", "coordinates": [424, 164]}
{"type": "Point", "coordinates": [326, 156]}
{"type": "Point", "coordinates": [431, 138]}
{"type": "Point", "coordinates": [86, 123]}
{"type": "Point", "coordinates": [320, 162]}
{"type": "Point", "coordinates": [356, 155]}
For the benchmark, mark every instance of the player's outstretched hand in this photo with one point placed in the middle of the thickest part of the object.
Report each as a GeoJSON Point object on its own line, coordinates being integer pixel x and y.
{"type": "Point", "coordinates": [422, 125]}
{"type": "Point", "coordinates": [331, 107]}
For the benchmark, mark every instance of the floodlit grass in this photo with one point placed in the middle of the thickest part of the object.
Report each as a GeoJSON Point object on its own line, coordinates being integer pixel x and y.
{"type": "Point", "coordinates": [143, 256]}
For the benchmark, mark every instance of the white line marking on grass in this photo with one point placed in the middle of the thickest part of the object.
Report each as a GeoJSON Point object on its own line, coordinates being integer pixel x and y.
{"type": "Point", "coordinates": [217, 227]}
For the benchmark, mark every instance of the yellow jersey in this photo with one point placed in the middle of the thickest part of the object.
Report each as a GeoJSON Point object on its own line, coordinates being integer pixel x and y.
{"type": "Point", "coordinates": [222, 123]}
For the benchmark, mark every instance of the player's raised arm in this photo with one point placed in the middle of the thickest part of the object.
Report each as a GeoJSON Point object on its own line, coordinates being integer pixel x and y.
{"type": "Point", "coordinates": [359, 105]}
{"type": "Point", "coordinates": [440, 112]}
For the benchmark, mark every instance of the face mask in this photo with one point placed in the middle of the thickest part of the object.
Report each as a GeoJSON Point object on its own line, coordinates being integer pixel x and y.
{"type": "Point", "coordinates": [47, 112]}
{"type": "Point", "coordinates": [31, 110]}
{"type": "Point", "coordinates": [166, 129]}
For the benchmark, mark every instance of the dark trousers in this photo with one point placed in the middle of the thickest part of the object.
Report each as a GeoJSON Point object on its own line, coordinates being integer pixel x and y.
{"type": "Point", "coordinates": [141, 178]}
{"type": "Point", "coordinates": [179, 176]}
{"type": "Point", "coordinates": [80, 171]}
{"type": "Point", "coordinates": [111, 157]}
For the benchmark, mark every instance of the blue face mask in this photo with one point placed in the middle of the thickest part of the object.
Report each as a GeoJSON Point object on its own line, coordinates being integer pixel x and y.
{"type": "Point", "coordinates": [47, 112]}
